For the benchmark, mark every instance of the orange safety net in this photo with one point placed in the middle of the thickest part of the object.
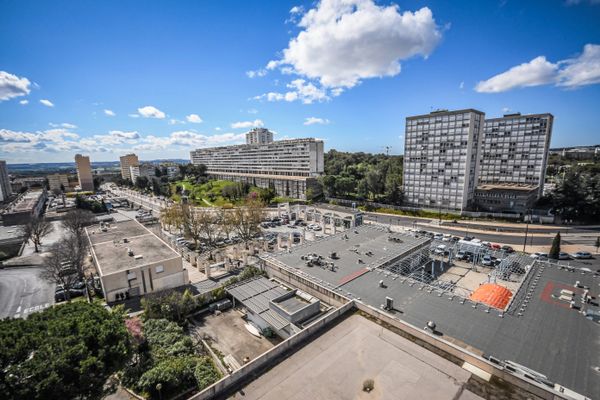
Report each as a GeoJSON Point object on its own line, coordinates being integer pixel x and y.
{"type": "Point", "coordinates": [493, 295]}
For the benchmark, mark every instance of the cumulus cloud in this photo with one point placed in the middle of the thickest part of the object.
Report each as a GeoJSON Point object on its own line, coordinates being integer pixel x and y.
{"type": "Point", "coordinates": [118, 137]}
{"type": "Point", "coordinates": [315, 120]}
{"type": "Point", "coordinates": [110, 113]}
{"type": "Point", "coordinates": [13, 86]}
{"type": "Point", "coordinates": [570, 73]}
{"type": "Point", "coordinates": [301, 90]}
{"type": "Point", "coordinates": [134, 115]}
{"type": "Point", "coordinates": [47, 103]}
{"type": "Point", "coordinates": [188, 139]}
{"type": "Point", "coordinates": [24, 102]}
{"type": "Point", "coordinates": [174, 121]}
{"type": "Point", "coordinates": [257, 123]}
{"type": "Point", "coordinates": [538, 71]}
{"type": "Point", "coordinates": [342, 42]}
{"type": "Point", "coordinates": [151, 112]}
{"type": "Point", "coordinates": [194, 119]}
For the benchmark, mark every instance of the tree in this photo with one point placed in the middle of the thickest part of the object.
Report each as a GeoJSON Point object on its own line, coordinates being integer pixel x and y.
{"type": "Point", "coordinates": [35, 230]}
{"type": "Point", "coordinates": [64, 352]}
{"type": "Point", "coordinates": [228, 220]}
{"type": "Point", "coordinates": [58, 268]}
{"type": "Point", "coordinates": [172, 216]}
{"type": "Point", "coordinates": [142, 182]}
{"type": "Point", "coordinates": [555, 249]}
{"type": "Point", "coordinates": [76, 220]}
{"type": "Point", "coordinates": [247, 219]}
{"type": "Point", "coordinates": [597, 244]}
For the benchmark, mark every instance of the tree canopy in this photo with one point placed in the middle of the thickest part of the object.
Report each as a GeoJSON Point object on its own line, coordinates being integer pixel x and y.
{"type": "Point", "coordinates": [64, 352]}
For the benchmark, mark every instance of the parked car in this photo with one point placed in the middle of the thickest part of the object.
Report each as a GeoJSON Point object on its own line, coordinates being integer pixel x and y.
{"type": "Point", "coordinates": [582, 255]}
{"type": "Point", "coordinates": [61, 295]}
{"type": "Point", "coordinates": [564, 256]}
{"type": "Point", "coordinates": [441, 249]}
{"type": "Point", "coordinates": [487, 260]}
{"type": "Point", "coordinates": [468, 238]}
{"type": "Point", "coordinates": [461, 255]}
{"type": "Point", "coordinates": [539, 256]}
{"type": "Point", "coordinates": [507, 249]}
{"type": "Point", "coordinates": [495, 246]}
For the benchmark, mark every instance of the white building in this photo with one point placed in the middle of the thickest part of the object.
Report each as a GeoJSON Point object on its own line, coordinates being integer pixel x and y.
{"type": "Point", "coordinates": [514, 150]}
{"type": "Point", "coordinates": [5, 188]}
{"type": "Point", "coordinates": [84, 173]}
{"type": "Point", "coordinates": [146, 170]}
{"type": "Point", "coordinates": [289, 166]}
{"type": "Point", "coordinates": [441, 159]}
{"type": "Point", "coordinates": [259, 136]}
{"type": "Point", "coordinates": [128, 161]}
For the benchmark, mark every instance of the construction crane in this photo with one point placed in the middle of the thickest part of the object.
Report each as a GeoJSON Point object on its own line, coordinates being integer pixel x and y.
{"type": "Point", "coordinates": [387, 149]}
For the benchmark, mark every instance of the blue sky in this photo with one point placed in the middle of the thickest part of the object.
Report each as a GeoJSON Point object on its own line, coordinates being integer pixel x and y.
{"type": "Point", "coordinates": [187, 74]}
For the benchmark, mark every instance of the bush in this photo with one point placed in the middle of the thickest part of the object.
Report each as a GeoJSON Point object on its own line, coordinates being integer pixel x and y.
{"type": "Point", "coordinates": [169, 304]}
{"type": "Point", "coordinates": [368, 385]}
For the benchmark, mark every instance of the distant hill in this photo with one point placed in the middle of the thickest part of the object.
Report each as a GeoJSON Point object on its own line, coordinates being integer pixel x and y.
{"type": "Point", "coordinates": [70, 166]}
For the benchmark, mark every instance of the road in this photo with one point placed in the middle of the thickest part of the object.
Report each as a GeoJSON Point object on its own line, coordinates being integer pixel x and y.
{"type": "Point", "coordinates": [23, 291]}
{"type": "Point", "coordinates": [515, 239]}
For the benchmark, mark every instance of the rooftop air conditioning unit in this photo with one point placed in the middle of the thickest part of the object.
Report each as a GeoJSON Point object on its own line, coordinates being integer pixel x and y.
{"type": "Point", "coordinates": [129, 252]}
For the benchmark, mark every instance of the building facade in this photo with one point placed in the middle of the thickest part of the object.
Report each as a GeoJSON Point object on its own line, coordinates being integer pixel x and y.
{"type": "Point", "coordinates": [441, 159]}
{"type": "Point", "coordinates": [514, 151]}
{"type": "Point", "coordinates": [5, 188]}
{"type": "Point", "coordinates": [289, 166]}
{"type": "Point", "coordinates": [58, 181]}
{"type": "Point", "coordinates": [145, 170]}
{"type": "Point", "coordinates": [259, 136]}
{"type": "Point", "coordinates": [128, 161]}
{"type": "Point", "coordinates": [84, 173]}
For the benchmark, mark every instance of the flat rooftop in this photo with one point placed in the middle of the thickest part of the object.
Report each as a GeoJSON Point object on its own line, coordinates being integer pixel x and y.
{"type": "Point", "coordinates": [335, 365]}
{"type": "Point", "coordinates": [514, 187]}
{"type": "Point", "coordinates": [542, 333]}
{"type": "Point", "coordinates": [368, 243]}
{"type": "Point", "coordinates": [292, 304]}
{"type": "Point", "coordinates": [112, 252]}
{"type": "Point", "coordinates": [335, 208]}
{"type": "Point", "coordinates": [26, 203]}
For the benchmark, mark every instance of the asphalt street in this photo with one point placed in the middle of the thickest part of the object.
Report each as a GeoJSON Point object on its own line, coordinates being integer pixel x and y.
{"type": "Point", "coordinates": [23, 291]}
{"type": "Point", "coordinates": [515, 239]}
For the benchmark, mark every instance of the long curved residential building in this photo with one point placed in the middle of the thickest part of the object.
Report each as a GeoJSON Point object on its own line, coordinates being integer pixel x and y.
{"type": "Point", "coordinates": [291, 167]}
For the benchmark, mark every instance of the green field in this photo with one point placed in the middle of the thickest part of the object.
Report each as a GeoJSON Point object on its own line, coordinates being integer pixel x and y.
{"type": "Point", "coordinates": [210, 194]}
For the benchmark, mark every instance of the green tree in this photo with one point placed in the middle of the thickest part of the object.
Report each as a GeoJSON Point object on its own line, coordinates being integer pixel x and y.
{"type": "Point", "coordinates": [555, 248]}
{"type": "Point", "coordinates": [63, 352]}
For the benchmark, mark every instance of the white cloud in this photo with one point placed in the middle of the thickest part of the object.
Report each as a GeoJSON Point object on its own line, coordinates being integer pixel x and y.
{"type": "Point", "coordinates": [252, 111]}
{"type": "Point", "coordinates": [110, 113]}
{"type": "Point", "coordinates": [194, 118]}
{"type": "Point", "coordinates": [63, 125]}
{"type": "Point", "coordinates": [257, 123]}
{"type": "Point", "coordinates": [569, 73]}
{"type": "Point", "coordinates": [24, 102]}
{"type": "Point", "coordinates": [174, 121]}
{"type": "Point", "coordinates": [315, 120]}
{"type": "Point", "coordinates": [13, 86]}
{"type": "Point", "coordinates": [188, 139]}
{"type": "Point", "coordinates": [118, 137]}
{"type": "Point", "coordinates": [538, 71]}
{"type": "Point", "coordinates": [47, 103]}
{"type": "Point", "coordinates": [505, 110]}
{"type": "Point", "coordinates": [259, 73]}
{"type": "Point", "coordinates": [134, 115]}
{"type": "Point", "coordinates": [462, 85]}
{"type": "Point", "coordinates": [582, 70]}
{"type": "Point", "coordinates": [304, 91]}
{"type": "Point", "coordinates": [151, 112]}
{"type": "Point", "coordinates": [343, 42]}
{"type": "Point", "coordinates": [218, 129]}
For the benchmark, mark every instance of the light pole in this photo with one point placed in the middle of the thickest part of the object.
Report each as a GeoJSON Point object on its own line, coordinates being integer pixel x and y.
{"type": "Point", "coordinates": [527, 229]}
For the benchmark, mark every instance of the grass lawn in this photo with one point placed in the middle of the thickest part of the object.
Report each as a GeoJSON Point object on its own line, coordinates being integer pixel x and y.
{"type": "Point", "coordinates": [207, 194]}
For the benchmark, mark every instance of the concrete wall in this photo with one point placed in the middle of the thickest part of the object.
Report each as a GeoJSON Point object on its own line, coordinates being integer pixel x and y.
{"type": "Point", "coordinates": [310, 287]}
{"type": "Point", "coordinates": [268, 357]}
{"type": "Point", "coordinates": [302, 314]}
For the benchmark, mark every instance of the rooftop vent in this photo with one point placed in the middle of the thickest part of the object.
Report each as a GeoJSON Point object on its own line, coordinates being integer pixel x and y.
{"type": "Point", "coordinates": [129, 252]}
{"type": "Point", "coordinates": [138, 257]}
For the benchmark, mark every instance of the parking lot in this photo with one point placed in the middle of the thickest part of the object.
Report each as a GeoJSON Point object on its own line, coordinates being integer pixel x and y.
{"type": "Point", "coordinates": [23, 291]}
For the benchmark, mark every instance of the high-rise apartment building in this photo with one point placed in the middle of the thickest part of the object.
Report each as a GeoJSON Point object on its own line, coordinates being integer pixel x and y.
{"type": "Point", "coordinates": [146, 170]}
{"type": "Point", "coordinates": [259, 136]}
{"type": "Point", "coordinates": [289, 166]}
{"type": "Point", "coordinates": [441, 159]}
{"type": "Point", "coordinates": [58, 181]}
{"type": "Point", "coordinates": [127, 161]}
{"type": "Point", "coordinates": [5, 188]}
{"type": "Point", "coordinates": [514, 155]}
{"type": "Point", "coordinates": [84, 172]}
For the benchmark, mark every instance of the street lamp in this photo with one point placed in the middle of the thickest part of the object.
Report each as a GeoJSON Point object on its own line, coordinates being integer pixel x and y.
{"type": "Point", "coordinates": [529, 211]}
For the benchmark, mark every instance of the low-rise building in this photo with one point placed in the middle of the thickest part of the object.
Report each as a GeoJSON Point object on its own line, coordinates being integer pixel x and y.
{"type": "Point", "coordinates": [145, 170]}
{"type": "Point", "coordinates": [506, 198]}
{"type": "Point", "coordinates": [29, 204]}
{"type": "Point", "coordinates": [132, 261]}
